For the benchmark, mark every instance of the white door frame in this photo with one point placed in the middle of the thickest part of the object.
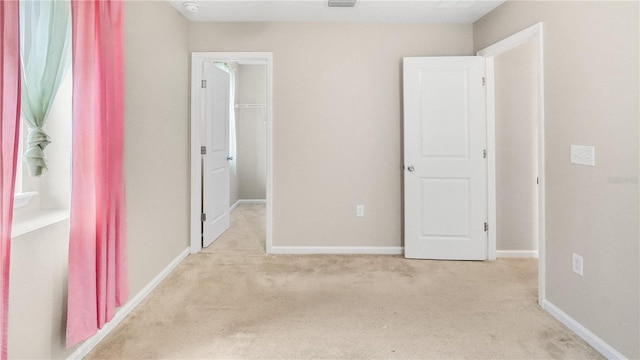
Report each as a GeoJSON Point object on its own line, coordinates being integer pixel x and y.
{"type": "Point", "coordinates": [535, 34]}
{"type": "Point", "coordinates": [196, 125]}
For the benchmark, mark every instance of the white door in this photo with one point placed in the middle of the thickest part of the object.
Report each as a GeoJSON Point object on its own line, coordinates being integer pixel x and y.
{"type": "Point", "coordinates": [445, 176]}
{"type": "Point", "coordinates": [215, 172]}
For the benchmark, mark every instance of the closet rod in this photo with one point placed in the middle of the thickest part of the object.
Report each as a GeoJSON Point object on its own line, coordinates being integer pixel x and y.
{"type": "Point", "coordinates": [250, 106]}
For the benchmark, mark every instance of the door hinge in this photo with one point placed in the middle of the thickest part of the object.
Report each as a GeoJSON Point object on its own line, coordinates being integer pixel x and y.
{"type": "Point", "coordinates": [203, 217]}
{"type": "Point", "coordinates": [484, 154]}
{"type": "Point", "coordinates": [203, 84]}
{"type": "Point", "coordinates": [537, 181]}
{"type": "Point", "coordinates": [203, 150]}
{"type": "Point", "coordinates": [486, 227]}
{"type": "Point", "coordinates": [484, 81]}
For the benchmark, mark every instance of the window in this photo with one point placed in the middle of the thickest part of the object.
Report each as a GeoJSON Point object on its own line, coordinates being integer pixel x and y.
{"type": "Point", "coordinates": [36, 196]}
{"type": "Point", "coordinates": [45, 51]}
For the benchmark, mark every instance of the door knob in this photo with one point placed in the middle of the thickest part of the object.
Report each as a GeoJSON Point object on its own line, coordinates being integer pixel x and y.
{"type": "Point", "coordinates": [229, 158]}
{"type": "Point", "coordinates": [410, 168]}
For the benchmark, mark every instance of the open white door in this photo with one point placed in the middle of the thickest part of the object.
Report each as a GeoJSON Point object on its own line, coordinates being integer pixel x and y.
{"type": "Point", "coordinates": [445, 178]}
{"type": "Point", "coordinates": [215, 173]}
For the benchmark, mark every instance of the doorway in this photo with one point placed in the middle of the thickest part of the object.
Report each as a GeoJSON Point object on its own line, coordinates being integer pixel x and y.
{"type": "Point", "coordinates": [253, 110]}
{"type": "Point", "coordinates": [516, 152]}
{"type": "Point", "coordinates": [524, 174]}
{"type": "Point", "coordinates": [248, 182]}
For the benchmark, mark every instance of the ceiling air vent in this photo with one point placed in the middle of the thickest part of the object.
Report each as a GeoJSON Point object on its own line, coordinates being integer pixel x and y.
{"type": "Point", "coordinates": [342, 3]}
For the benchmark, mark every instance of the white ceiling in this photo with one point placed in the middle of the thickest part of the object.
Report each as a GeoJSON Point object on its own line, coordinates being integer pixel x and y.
{"type": "Point", "coordinates": [394, 11]}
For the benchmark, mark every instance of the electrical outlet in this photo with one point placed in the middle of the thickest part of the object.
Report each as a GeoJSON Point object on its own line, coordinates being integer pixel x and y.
{"type": "Point", "coordinates": [360, 210]}
{"type": "Point", "coordinates": [577, 264]}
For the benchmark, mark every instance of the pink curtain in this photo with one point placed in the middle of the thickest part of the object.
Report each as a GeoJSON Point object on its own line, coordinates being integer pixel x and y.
{"type": "Point", "coordinates": [10, 110]}
{"type": "Point", "coordinates": [97, 247]}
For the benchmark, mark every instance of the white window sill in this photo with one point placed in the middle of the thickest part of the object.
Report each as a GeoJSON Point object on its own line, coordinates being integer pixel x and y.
{"type": "Point", "coordinates": [23, 199]}
{"type": "Point", "coordinates": [36, 220]}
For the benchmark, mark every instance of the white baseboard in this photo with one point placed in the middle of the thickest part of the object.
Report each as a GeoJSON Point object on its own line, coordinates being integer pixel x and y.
{"type": "Point", "coordinates": [247, 202]}
{"type": "Point", "coordinates": [122, 313]}
{"type": "Point", "coordinates": [307, 250]}
{"type": "Point", "coordinates": [517, 254]}
{"type": "Point", "coordinates": [600, 345]}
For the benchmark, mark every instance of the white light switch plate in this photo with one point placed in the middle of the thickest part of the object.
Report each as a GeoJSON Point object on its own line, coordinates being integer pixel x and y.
{"type": "Point", "coordinates": [583, 155]}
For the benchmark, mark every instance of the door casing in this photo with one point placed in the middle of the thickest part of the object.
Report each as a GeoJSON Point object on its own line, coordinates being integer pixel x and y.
{"type": "Point", "coordinates": [533, 33]}
{"type": "Point", "coordinates": [197, 128]}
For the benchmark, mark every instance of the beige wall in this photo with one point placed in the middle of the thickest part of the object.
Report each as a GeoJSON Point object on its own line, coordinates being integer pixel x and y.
{"type": "Point", "coordinates": [516, 148]}
{"type": "Point", "coordinates": [337, 121]}
{"type": "Point", "coordinates": [156, 137]}
{"type": "Point", "coordinates": [591, 98]}
{"type": "Point", "coordinates": [251, 88]}
{"type": "Point", "coordinates": [38, 294]}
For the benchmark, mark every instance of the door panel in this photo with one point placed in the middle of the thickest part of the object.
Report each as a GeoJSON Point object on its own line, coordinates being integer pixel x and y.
{"type": "Point", "coordinates": [451, 217]}
{"type": "Point", "coordinates": [216, 168]}
{"type": "Point", "coordinates": [441, 98]}
{"type": "Point", "coordinates": [445, 169]}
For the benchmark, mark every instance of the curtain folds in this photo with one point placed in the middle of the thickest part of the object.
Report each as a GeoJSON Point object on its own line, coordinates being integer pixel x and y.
{"type": "Point", "coordinates": [44, 49]}
{"type": "Point", "coordinates": [9, 129]}
{"type": "Point", "coordinates": [97, 248]}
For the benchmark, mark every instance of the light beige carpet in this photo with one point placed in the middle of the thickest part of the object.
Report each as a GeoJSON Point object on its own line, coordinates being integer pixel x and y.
{"type": "Point", "coordinates": [232, 301]}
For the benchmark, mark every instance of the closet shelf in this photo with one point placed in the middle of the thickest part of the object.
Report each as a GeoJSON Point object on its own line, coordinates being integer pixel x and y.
{"type": "Point", "coordinates": [250, 106]}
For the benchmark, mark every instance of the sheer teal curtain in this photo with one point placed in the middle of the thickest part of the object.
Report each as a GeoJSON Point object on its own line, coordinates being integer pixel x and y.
{"type": "Point", "coordinates": [45, 32]}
